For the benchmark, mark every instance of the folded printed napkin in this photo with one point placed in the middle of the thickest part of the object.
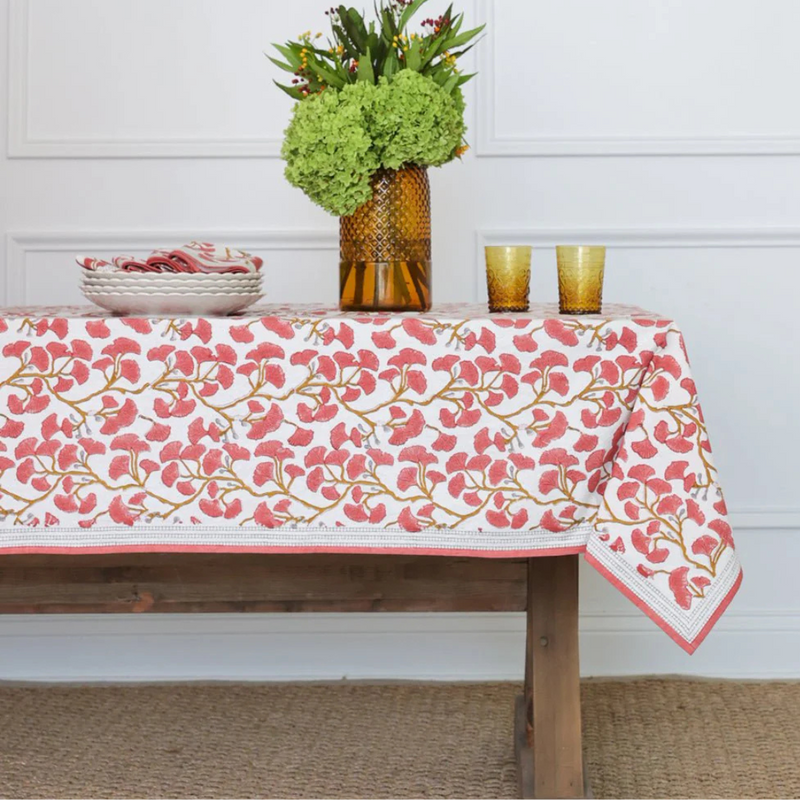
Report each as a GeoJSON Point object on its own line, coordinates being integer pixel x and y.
{"type": "Point", "coordinates": [195, 257]}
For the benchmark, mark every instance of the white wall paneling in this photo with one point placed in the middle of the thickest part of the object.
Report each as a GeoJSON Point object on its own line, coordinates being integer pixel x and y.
{"type": "Point", "coordinates": [154, 78]}
{"type": "Point", "coordinates": [637, 77]}
{"type": "Point", "coordinates": [132, 125]}
{"type": "Point", "coordinates": [463, 647]}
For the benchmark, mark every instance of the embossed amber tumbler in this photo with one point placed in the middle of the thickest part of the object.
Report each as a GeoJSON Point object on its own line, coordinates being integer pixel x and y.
{"type": "Point", "coordinates": [580, 278]}
{"type": "Point", "coordinates": [508, 276]}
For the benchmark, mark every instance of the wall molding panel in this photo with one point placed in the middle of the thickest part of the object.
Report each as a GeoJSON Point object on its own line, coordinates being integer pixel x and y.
{"type": "Point", "coordinates": [314, 647]}
{"type": "Point", "coordinates": [22, 145]}
{"type": "Point", "coordinates": [493, 143]}
{"type": "Point", "coordinates": [490, 142]}
{"type": "Point", "coordinates": [634, 238]}
{"type": "Point", "coordinates": [20, 244]}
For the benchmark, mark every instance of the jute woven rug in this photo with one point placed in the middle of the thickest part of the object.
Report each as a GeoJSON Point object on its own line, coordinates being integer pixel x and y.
{"type": "Point", "coordinates": [643, 738]}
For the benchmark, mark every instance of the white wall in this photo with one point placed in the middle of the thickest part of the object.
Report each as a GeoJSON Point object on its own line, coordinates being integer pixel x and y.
{"type": "Point", "coordinates": [668, 129]}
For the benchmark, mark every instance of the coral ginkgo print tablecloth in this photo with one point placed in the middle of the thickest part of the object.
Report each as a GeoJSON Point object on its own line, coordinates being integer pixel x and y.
{"type": "Point", "coordinates": [305, 429]}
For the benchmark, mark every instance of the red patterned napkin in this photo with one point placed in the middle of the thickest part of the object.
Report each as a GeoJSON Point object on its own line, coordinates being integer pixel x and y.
{"type": "Point", "coordinates": [195, 257]}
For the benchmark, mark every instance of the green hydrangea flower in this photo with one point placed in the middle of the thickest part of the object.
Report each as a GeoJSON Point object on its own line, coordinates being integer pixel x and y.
{"type": "Point", "coordinates": [338, 139]}
{"type": "Point", "coordinates": [328, 149]}
{"type": "Point", "coordinates": [414, 121]}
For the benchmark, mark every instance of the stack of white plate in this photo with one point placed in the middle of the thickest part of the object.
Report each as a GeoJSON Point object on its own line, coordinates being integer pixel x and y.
{"type": "Point", "coordinates": [166, 293]}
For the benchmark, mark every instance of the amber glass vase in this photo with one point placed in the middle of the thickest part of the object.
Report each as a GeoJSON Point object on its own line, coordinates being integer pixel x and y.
{"type": "Point", "coordinates": [385, 246]}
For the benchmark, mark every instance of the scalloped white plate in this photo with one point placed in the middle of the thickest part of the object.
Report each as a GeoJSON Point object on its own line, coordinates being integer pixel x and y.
{"type": "Point", "coordinates": [152, 277]}
{"type": "Point", "coordinates": [173, 285]}
{"type": "Point", "coordinates": [169, 288]}
{"type": "Point", "coordinates": [184, 304]}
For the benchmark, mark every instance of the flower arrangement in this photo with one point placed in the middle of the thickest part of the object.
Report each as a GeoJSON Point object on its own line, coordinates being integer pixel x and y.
{"type": "Point", "coordinates": [373, 97]}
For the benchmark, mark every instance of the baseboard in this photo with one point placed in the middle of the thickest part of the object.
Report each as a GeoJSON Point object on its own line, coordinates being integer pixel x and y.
{"type": "Point", "coordinates": [436, 647]}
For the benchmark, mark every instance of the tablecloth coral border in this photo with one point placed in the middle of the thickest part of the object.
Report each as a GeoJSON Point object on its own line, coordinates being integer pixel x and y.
{"type": "Point", "coordinates": [690, 646]}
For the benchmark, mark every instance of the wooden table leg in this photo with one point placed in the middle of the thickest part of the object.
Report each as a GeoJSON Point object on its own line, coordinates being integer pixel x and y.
{"type": "Point", "coordinates": [548, 715]}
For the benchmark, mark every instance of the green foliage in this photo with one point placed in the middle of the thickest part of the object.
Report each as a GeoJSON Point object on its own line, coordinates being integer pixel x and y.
{"type": "Point", "coordinates": [358, 52]}
{"type": "Point", "coordinates": [337, 140]}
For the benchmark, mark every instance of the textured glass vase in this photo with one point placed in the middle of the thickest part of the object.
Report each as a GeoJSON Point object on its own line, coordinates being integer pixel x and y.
{"type": "Point", "coordinates": [385, 246]}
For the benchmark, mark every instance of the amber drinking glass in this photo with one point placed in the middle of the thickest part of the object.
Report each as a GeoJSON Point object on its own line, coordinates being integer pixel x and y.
{"type": "Point", "coordinates": [580, 278]}
{"type": "Point", "coordinates": [508, 276]}
{"type": "Point", "coordinates": [385, 262]}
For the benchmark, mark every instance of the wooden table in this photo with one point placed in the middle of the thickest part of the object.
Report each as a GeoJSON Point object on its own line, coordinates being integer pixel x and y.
{"type": "Point", "coordinates": [548, 714]}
